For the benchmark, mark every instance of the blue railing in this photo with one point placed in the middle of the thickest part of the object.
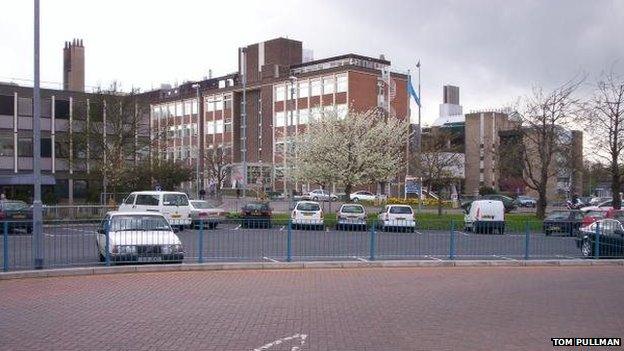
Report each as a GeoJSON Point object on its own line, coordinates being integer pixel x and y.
{"type": "Point", "coordinates": [90, 243]}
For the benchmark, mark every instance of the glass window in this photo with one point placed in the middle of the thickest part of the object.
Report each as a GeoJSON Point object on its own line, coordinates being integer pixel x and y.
{"type": "Point", "coordinates": [138, 222]}
{"type": "Point", "coordinates": [187, 107]}
{"type": "Point", "coordinates": [290, 91]}
{"type": "Point", "coordinates": [80, 189]}
{"type": "Point", "coordinates": [219, 105]}
{"type": "Point", "coordinates": [328, 85]}
{"type": "Point", "coordinates": [315, 87]}
{"type": "Point", "coordinates": [7, 105]}
{"type": "Point", "coordinates": [46, 147]}
{"type": "Point", "coordinates": [308, 206]}
{"type": "Point", "coordinates": [147, 200]}
{"type": "Point", "coordinates": [6, 143]}
{"type": "Point", "coordinates": [341, 83]}
{"type": "Point", "coordinates": [175, 200]}
{"type": "Point", "coordinates": [61, 109]}
{"type": "Point", "coordinates": [210, 127]}
{"type": "Point", "coordinates": [279, 93]}
{"type": "Point", "coordinates": [279, 119]}
{"type": "Point", "coordinates": [24, 106]}
{"type": "Point", "coordinates": [178, 109]}
{"type": "Point", "coordinates": [304, 88]}
{"type": "Point", "coordinates": [303, 116]}
{"type": "Point", "coordinates": [129, 200]}
{"type": "Point", "coordinates": [209, 105]}
{"type": "Point", "coordinates": [401, 210]}
{"type": "Point", "coordinates": [194, 106]}
{"type": "Point", "coordinates": [61, 149]}
{"type": "Point", "coordinates": [24, 146]}
{"type": "Point", "coordinates": [352, 209]}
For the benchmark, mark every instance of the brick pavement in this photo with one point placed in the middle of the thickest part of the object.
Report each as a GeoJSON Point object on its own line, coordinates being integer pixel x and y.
{"type": "Point", "coordinates": [342, 309]}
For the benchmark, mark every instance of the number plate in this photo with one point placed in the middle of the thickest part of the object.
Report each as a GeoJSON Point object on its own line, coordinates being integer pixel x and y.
{"type": "Point", "coordinates": [307, 214]}
{"type": "Point", "coordinates": [175, 216]}
{"type": "Point", "coordinates": [19, 216]}
{"type": "Point", "coordinates": [150, 259]}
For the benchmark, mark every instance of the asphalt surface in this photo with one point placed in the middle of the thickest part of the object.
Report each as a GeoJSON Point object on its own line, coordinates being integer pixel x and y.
{"type": "Point", "coordinates": [502, 308]}
{"type": "Point", "coordinates": [75, 245]}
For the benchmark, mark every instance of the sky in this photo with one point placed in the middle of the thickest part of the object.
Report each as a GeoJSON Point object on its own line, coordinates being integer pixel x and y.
{"type": "Point", "coordinates": [495, 51]}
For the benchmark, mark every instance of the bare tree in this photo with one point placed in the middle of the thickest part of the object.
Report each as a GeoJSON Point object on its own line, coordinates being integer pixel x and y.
{"type": "Point", "coordinates": [358, 149]}
{"type": "Point", "coordinates": [544, 137]}
{"type": "Point", "coordinates": [217, 167]}
{"type": "Point", "coordinates": [606, 125]}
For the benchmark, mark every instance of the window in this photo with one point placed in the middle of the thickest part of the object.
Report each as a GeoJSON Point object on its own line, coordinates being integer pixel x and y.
{"type": "Point", "coordinates": [61, 109]}
{"type": "Point", "coordinates": [315, 87]}
{"type": "Point", "coordinates": [341, 83]}
{"type": "Point", "coordinates": [328, 85]}
{"type": "Point", "coordinates": [7, 105]}
{"type": "Point", "coordinates": [187, 107]}
{"type": "Point", "coordinates": [303, 116]}
{"type": "Point", "coordinates": [46, 147]}
{"type": "Point", "coordinates": [279, 119]}
{"type": "Point", "coordinates": [46, 108]}
{"type": "Point", "coordinates": [147, 200]}
{"type": "Point", "coordinates": [24, 106]}
{"type": "Point", "coordinates": [80, 189]}
{"type": "Point", "coordinates": [315, 113]}
{"type": "Point", "coordinates": [210, 127]}
{"type": "Point", "coordinates": [171, 110]}
{"type": "Point", "coordinates": [342, 111]}
{"type": "Point", "coordinates": [6, 143]}
{"type": "Point", "coordinates": [194, 107]}
{"type": "Point", "coordinates": [24, 146]}
{"type": "Point", "coordinates": [218, 105]}
{"type": "Point", "coordinates": [175, 200]}
{"type": "Point", "coordinates": [61, 149]}
{"type": "Point", "coordinates": [79, 109]}
{"type": "Point", "coordinates": [227, 127]}
{"type": "Point", "coordinates": [279, 93]}
{"type": "Point", "coordinates": [290, 91]}
{"type": "Point", "coordinates": [219, 126]}
{"type": "Point", "coordinates": [304, 89]}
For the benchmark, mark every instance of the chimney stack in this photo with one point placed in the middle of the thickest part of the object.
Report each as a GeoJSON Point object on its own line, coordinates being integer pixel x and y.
{"type": "Point", "coordinates": [74, 66]}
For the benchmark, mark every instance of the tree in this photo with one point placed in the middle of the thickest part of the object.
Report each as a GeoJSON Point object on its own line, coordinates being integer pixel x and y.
{"type": "Point", "coordinates": [606, 125]}
{"type": "Point", "coordinates": [361, 148]}
{"type": "Point", "coordinates": [217, 167]}
{"type": "Point", "coordinates": [440, 162]}
{"type": "Point", "coordinates": [544, 137]}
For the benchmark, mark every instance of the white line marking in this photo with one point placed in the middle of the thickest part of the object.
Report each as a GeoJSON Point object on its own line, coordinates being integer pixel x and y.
{"type": "Point", "coordinates": [505, 258]}
{"type": "Point", "coordinates": [462, 233]}
{"type": "Point", "coordinates": [301, 337]}
{"type": "Point", "coordinates": [360, 259]}
{"type": "Point", "coordinates": [282, 228]}
{"type": "Point", "coordinates": [269, 259]}
{"type": "Point", "coordinates": [237, 228]}
{"type": "Point", "coordinates": [81, 230]}
{"type": "Point", "coordinates": [433, 258]}
{"type": "Point", "coordinates": [417, 232]}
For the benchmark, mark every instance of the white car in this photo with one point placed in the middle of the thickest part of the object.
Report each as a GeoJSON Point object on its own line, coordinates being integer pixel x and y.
{"type": "Point", "coordinates": [320, 195]}
{"type": "Point", "coordinates": [603, 206]}
{"type": "Point", "coordinates": [203, 213]}
{"type": "Point", "coordinates": [363, 196]}
{"type": "Point", "coordinates": [485, 216]}
{"type": "Point", "coordinates": [307, 214]}
{"type": "Point", "coordinates": [138, 237]}
{"type": "Point", "coordinates": [171, 204]}
{"type": "Point", "coordinates": [351, 217]}
{"type": "Point", "coordinates": [397, 216]}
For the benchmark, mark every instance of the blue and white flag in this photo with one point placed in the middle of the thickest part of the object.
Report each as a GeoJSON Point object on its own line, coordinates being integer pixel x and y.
{"type": "Point", "coordinates": [412, 92]}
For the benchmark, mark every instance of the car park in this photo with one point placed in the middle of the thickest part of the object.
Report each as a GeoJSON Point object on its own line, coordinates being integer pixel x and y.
{"type": "Point", "coordinates": [307, 214]}
{"type": "Point", "coordinates": [204, 215]}
{"type": "Point", "coordinates": [351, 217]}
{"type": "Point", "coordinates": [138, 237]}
{"type": "Point", "coordinates": [567, 222]}
{"type": "Point", "coordinates": [397, 217]}
{"type": "Point", "coordinates": [171, 204]}
{"type": "Point", "coordinates": [256, 214]}
{"type": "Point", "coordinates": [610, 234]}
{"type": "Point", "coordinates": [525, 201]}
{"type": "Point", "coordinates": [485, 216]}
{"type": "Point", "coordinates": [362, 196]}
{"type": "Point", "coordinates": [319, 195]}
{"type": "Point", "coordinates": [17, 215]}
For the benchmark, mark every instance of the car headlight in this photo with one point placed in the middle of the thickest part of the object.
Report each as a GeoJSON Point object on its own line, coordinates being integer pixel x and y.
{"type": "Point", "coordinates": [127, 249]}
{"type": "Point", "coordinates": [172, 249]}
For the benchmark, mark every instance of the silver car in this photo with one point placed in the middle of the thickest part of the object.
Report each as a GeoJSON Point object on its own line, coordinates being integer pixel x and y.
{"type": "Point", "coordinates": [351, 217]}
{"type": "Point", "coordinates": [202, 212]}
{"type": "Point", "coordinates": [320, 195]}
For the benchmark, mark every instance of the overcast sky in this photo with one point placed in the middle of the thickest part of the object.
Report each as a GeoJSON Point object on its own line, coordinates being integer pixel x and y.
{"type": "Point", "coordinates": [494, 51]}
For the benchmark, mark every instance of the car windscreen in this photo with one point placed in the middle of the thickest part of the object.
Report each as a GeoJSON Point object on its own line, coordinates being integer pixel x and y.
{"type": "Point", "coordinates": [175, 200]}
{"type": "Point", "coordinates": [256, 207]}
{"type": "Point", "coordinates": [134, 222]}
{"type": "Point", "coordinates": [401, 210]}
{"type": "Point", "coordinates": [14, 206]}
{"type": "Point", "coordinates": [306, 206]}
{"type": "Point", "coordinates": [352, 209]}
{"type": "Point", "coordinates": [558, 216]}
{"type": "Point", "coordinates": [200, 204]}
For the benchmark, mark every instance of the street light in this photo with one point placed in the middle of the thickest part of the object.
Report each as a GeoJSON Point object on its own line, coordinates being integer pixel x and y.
{"type": "Point", "coordinates": [197, 86]}
{"type": "Point", "coordinates": [37, 206]}
{"type": "Point", "coordinates": [293, 81]}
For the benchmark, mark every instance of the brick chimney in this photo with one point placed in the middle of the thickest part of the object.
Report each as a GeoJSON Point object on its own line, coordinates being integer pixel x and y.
{"type": "Point", "coordinates": [73, 66]}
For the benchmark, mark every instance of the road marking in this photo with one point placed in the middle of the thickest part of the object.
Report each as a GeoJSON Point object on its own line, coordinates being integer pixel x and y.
{"type": "Point", "coordinates": [282, 228]}
{"type": "Point", "coordinates": [269, 259]}
{"type": "Point", "coordinates": [237, 228]}
{"type": "Point", "coordinates": [359, 258]}
{"type": "Point", "coordinates": [505, 258]}
{"type": "Point", "coordinates": [301, 337]}
{"type": "Point", "coordinates": [462, 233]}
{"type": "Point", "coordinates": [82, 230]}
{"type": "Point", "coordinates": [433, 258]}
{"type": "Point", "coordinates": [417, 232]}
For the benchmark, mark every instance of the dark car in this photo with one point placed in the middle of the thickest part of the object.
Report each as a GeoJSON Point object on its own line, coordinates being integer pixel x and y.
{"type": "Point", "coordinates": [610, 233]}
{"type": "Point", "coordinates": [256, 215]}
{"type": "Point", "coordinates": [17, 215]}
{"type": "Point", "coordinates": [566, 222]}
{"type": "Point", "coordinates": [525, 201]}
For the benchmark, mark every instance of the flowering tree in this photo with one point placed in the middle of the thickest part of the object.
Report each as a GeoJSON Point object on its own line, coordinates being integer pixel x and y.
{"type": "Point", "coordinates": [358, 149]}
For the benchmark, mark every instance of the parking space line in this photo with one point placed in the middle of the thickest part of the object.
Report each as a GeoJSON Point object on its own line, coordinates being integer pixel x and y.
{"type": "Point", "coordinates": [281, 228]}
{"type": "Point", "coordinates": [433, 258]}
{"type": "Point", "coordinates": [269, 259]}
{"type": "Point", "coordinates": [359, 258]}
{"type": "Point", "coordinates": [505, 258]}
{"type": "Point", "coordinates": [417, 232]}
{"type": "Point", "coordinates": [237, 228]}
{"type": "Point", "coordinates": [462, 233]}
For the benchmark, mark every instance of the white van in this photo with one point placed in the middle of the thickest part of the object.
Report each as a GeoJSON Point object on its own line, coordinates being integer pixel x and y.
{"type": "Point", "coordinates": [171, 204]}
{"type": "Point", "coordinates": [485, 216]}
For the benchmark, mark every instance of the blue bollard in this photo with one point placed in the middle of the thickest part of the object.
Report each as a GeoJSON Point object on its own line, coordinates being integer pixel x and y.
{"type": "Point", "coordinates": [201, 242]}
{"type": "Point", "coordinates": [289, 242]}
{"type": "Point", "coordinates": [452, 241]}
{"type": "Point", "coordinates": [106, 230]}
{"type": "Point", "coordinates": [527, 237]}
{"type": "Point", "coordinates": [5, 247]}
{"type": "Point", "coordinates": [597, 242]}
{"type": "Point", "coordinates": [373, 239]}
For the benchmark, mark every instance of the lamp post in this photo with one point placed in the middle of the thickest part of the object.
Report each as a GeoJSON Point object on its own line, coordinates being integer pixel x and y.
{"type": "Point", "coordinates": [244, 120]}
{"type": "Point", "coordinates": [293, 81]}
{"type": "Point", "coordinates": [197, 86]}
{"type": "Point", "coordinates": [37, 205]}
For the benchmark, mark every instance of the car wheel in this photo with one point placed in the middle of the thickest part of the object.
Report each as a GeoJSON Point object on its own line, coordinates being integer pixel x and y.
{"type": "Point", "coordinates": [547, 232]}
{"type": "Point", "coordinates": [315, 198]}
{"type": "Point", "coordinates": [355, 199]}
{"type": "Point", "coordinates": [587, 249]}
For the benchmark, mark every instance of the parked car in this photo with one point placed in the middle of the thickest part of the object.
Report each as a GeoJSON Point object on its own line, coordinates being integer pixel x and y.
{"type": "Point", "coordinates": [485, 216]}
{"type": "Point", "coordinates": [256, 214]}
{"type": "Point", "coordinates": [618, 215]}
{"type": "Point", "coordinates": [592, 216]}
{"type": "Point", "coordinates": [567, 222]}
{"type": "Point", "coordinates": [397, 217]}
{"type": "Point", "coordinates": [307, 214]}
{"type": "Point", "coordinates": [363, 196]}
{"type": "Point", "coordinates": [597, 200]}
{"type": "Point", "coordinates": [351, 217]}
{"type": "Point", "coordinates": [17, 214]}
{"type": "Point", "coordinates": [508, 202]}
{"type": "Point", "coordinates": [525, 201]}
{"type": "Point", "coordinates": [173, 205]}
{"type": "Point", "coordinates": [610, 238]}
{"type": "Point", "coordinates": [138, 237]}
{"type": "Point", "coordinates": [319, 195]}
{"type": "Point", "coordinates": [605, 205]}
{"type": "Point", "coordinates": [204, 214]}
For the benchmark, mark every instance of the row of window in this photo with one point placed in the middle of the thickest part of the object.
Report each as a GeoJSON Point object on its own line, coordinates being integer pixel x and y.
{"type": "Point", "coordinates": [182, 131]}
{"type": "Point", "coordinates": [306, 115]}
{"type": "Point", "coordinates": [25, 107]}
{"type": "Point", "coordinates": [175, 109]}
{"type": "Point", "coordinates": [313, 87]}
{"type": "Point", "coordinates": [218, 103]}
{"type": "Point", "coordinates": [339, 63]}
{"type": "Point", "coordinates": [25, 146]}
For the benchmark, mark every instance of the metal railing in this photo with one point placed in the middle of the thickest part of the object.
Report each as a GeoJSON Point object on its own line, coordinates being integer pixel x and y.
{"type": "Point", "coordinates": [58, 212]}
{"type": "Point", "coordinates": [93, 242]}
